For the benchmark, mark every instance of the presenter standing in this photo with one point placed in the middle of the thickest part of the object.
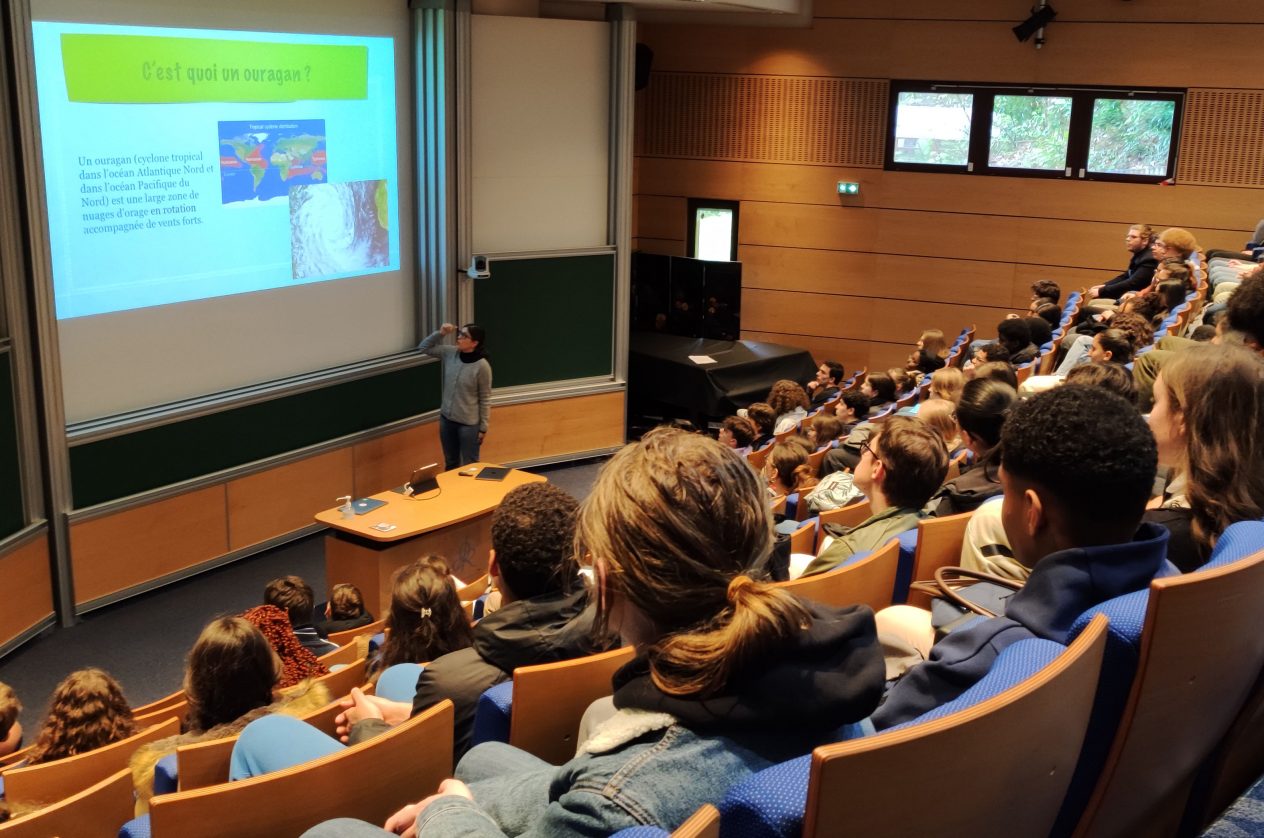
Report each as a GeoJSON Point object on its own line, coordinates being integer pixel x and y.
{"type": "Point", "coordinates": [467, 389]}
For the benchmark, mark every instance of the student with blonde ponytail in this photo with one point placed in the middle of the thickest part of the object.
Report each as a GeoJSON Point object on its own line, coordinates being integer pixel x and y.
{"type": "Point", "coordinates": [677, 531]}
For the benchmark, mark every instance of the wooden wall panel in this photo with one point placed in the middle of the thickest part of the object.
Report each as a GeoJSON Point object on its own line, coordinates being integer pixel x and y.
{"type": "Point", "coordinates": [1223, 212]}
{"type": "Point", "coordinates": [667, 247]}
{"type": "Point", "coordinates": [662, 217]}
{"type": "Point", "coordinates": [961, 51]}
{"type": "Point", "coordinates": [283, 499]}
{"type": "Point", "coordinates": [1069, 11]}
{"type": "Point", "coordinates": [115, 552]}
{"type": "Point", "coordinates": [28, 586]}
{"type": "Point", "coordinates": [554, 427]}
{"type": "Point", "coordinates": [388, 461]}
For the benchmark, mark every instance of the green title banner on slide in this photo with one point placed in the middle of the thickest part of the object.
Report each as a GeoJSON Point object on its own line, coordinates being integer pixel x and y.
{"type": "Point", "coordinates": [145, 69]}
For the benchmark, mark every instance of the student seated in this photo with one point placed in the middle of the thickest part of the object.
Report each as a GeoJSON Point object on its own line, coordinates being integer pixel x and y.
{"type": "Point", "coordinates": [826, 430]}
{"type": "Point", "coordinates": [297, 661]}
{"type": "Point", "coordinates": [999, 371]}
{"type": "Point", "coordinates": [901, 466]}
{"type": "Point", "coordinates": [737, 433]}
{"type": "Point", "coordinates": [880, 388]}
{"type": "Point", "coordinates": [1113, 377]}
{"type": "Point", "coordinates": [294, 596]}
{"type": "Point", "coordinates": [544, 617]}
{"type": "Point", "coordinates": [825, 386]}
{"type": "Point", "coordinates": [1208, 421]}
{"type": "Point", "coordinates": [232, 676]}
{"type": "Point", "coordinates": [789, 473]}
{"type": "Point", "coordinates": [981, 413]}
{"type": "Point", "coordinates": [1077, 466]}
{"type": "Point", "coordinates": [677, 528]}
{"type": "Point", "coordinates": [1015, 336]}
{"type": "Point", "coordinates": [87, 711]}
{"type": "Point", "coordinates": [790, 403]}
{"type": "Point", "coordinates": [10, 727]}
{"type": "Point", "coordinates": [345, 610]}
{"type": "Point", "coordinates": [764, 419]}
{"type": "Point", "coordinates": [426, 620]}
{"type": "Point", "coordinates": [940, 415]}
{"type": "Point", "coordinates": [986, 353]}
{"type": "Point", "coordinates": [852, 409]}
{"type": "Point", "coordinates": [930, 354]}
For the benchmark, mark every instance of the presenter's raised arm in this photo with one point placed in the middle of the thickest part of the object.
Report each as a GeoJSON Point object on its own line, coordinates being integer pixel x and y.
{"type": "Point", "coordinates": [430, 345]}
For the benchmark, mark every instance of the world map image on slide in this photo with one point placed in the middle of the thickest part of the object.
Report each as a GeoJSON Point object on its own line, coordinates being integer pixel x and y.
{"type": "Point", "coordinates": [261, 160]}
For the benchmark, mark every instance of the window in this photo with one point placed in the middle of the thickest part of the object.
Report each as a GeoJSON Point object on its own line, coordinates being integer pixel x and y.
{"type": "Point", "coordinates": [1081, 132]}
{"type": "Point", "coordinates": [712, 230]}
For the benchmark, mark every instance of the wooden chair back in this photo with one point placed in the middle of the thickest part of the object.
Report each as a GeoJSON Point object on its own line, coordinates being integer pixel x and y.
{"type": "Point", "coordinates": [704, 823]}
{"type": "Point", "coordinates": [906, 400]}
{"type": "Point", "coordinates": [339, 683]}
{"type": "Point", "coordinates": [803, 540]}
{"type": "Point", "coordinates": [1021, 746]}
{"type": "Point", "coordinates": [549, 701]}
{"type": "Point", "coordinates": [816, 460]}
{"type": "Point", "coordinates": [177, 697]}
{"type": "Point", "coordinates": [1237, 763]}
{"type": "Point", "coordinates": [342, 638]}
{"type": "Point", "coordinates": [363, 781]}
{"type": "Point", "coordinates": [16, 756]}
{"type": "Point", "coordinates": [785, 434]}
{"type": "Point", "coordinates": [758, 458]}
{"type": "Point", "coordinates": [856, 380]}
{"type": "Point", "coordinates": [869, 581]}
{"type": "Point", "coordinates": [938, 545]}
{"type": "Point", "coordinates": [176, 711]}
{"type": "Point", "coordinates": [97, 811]}
{"type": "Point", "coordinates": [1201, 652]}
{"type": "Point", "coordinates": [1024, 372]}
{"type": "Point", "coordinates": [202, 764]}
{"type": "Point", "coordinates": [49, 782]}
{"type": "Point", "coordinates": [343, 655]}
{"type": "Point", "coordinates": [778, 505]}
{"type": "Point", "coordinates": [845, 516]}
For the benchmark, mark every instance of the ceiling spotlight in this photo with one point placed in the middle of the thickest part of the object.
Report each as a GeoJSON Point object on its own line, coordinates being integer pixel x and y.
{"type": "Point", "coordinates": [1040, 16]}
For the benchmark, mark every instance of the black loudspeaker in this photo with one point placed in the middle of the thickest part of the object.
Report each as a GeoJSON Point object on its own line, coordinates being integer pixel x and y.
{"type": "Point", "coordinates": [644, 59]}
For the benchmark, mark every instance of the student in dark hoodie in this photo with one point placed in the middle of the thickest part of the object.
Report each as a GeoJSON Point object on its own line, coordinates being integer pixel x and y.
{"type": "Point", "coordinates": [985, 402]}
{"type": "Point", "coordinates": [678, 530]}
{"type": "Point", "coordinates": [1077, 466]}
{"type": "Point", "coordinates": [295, 597]}
{"type": "Point", "coordinates": [544, 617]}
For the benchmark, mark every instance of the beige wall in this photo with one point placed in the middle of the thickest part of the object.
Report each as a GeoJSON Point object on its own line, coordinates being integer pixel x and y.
{"type": "Point", "coordinates": [773, 118]}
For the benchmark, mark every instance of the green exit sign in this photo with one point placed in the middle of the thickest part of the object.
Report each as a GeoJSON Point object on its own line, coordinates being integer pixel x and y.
{"type": "Point", "coordinates": [846, 187]}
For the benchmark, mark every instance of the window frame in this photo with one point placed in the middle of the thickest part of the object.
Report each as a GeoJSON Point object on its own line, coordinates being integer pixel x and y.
{"type": "Point", "coordinates": [1083, 98]}
{"type": "Point", "coordinates": [691, 224]}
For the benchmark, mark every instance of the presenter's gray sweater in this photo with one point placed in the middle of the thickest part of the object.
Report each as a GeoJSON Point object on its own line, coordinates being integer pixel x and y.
{"type": "Point", "coordinates": [467, 388]}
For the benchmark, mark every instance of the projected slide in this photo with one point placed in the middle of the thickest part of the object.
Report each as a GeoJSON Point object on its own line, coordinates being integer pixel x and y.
{"type": "Point", "coordinates": [184, 164]}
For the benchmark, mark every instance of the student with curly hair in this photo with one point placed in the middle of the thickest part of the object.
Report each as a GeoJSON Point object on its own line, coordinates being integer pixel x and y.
{"type": "Point", "coordinates": [86, 712]}
{"type": "Point", "coordinates": [1077, 466]}
{"type": "Point", "coordinates": [790, 403]}
{"type": "Point", "coordinates": [730, 674]}
{"type": "Point", "coordinates": [764, 418]}
{"type": "Point", "coordinates": [426, 620]}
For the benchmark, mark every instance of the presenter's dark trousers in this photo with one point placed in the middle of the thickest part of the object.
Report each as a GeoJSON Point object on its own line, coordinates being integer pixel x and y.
{"type": "Point", "coordinates": [460, 443]}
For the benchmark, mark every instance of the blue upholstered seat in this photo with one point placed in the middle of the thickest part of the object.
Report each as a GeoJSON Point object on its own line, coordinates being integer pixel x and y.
{"type": "Point", "coordinates": [491, 715]}
{"type": "Point", "coordinates": [904, 570]}
{"type": "Point", "coordinates": [771, 802]}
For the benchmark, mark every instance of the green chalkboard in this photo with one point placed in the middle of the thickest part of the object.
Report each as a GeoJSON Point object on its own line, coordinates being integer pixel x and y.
{"type": "Point", "coordinates": [124, 465]}
{"type": "Point", "coordinates": [12, 515]}
{"type": "Point", "coordinates": [548, 319]}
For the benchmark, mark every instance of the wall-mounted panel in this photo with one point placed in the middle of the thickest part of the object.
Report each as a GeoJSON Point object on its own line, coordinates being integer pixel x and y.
{"type": "Point", "coordinates": [764, 118]}
{"type": "Point", "coordinates": [125, 465]}
{"type": "Point", "coordinates": [1220, 138]}
{"type": "Point", "coordinates": [539, 133]}
{"type": "Point", "coordinates": [282, 499]}
{"type": "Point", "coordinates": [28, 586]}
{"type": "Point", "coordinates": [548, 319]}
{"type": "Point", "coordinates": [120, 550]}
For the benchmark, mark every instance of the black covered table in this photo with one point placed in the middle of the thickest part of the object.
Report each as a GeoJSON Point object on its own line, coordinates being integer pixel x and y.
{"type": "Point", "coordinates": [659, 370]}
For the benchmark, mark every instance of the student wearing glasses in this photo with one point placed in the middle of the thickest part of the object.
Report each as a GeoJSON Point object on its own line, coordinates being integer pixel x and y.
{"type": "Point", "coordinates": [467, 389]}
{"type": "Point", "coordinates": [900, 467]}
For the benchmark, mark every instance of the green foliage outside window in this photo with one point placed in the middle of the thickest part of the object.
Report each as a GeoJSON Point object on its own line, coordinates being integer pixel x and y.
{"type": "Point", "coordinates": [1131, 137]}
